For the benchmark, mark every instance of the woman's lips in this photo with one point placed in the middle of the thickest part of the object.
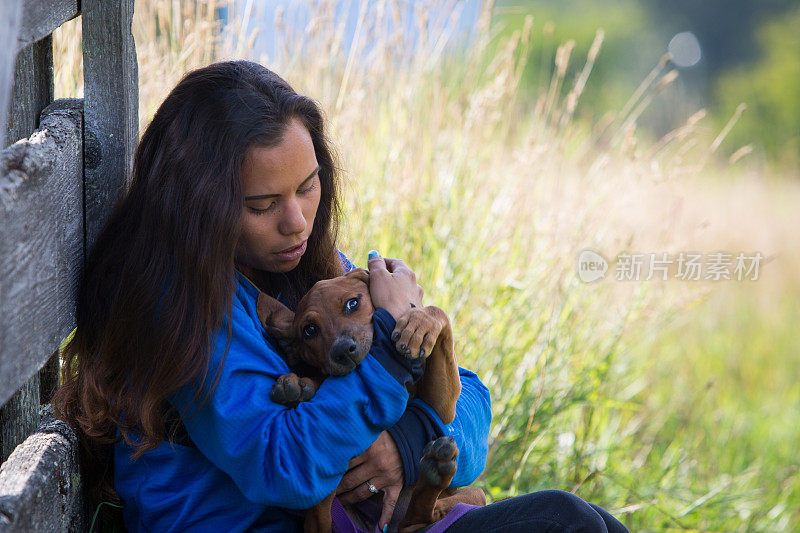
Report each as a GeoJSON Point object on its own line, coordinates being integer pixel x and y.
{"type": "Point", "coordinates": [292, 254]}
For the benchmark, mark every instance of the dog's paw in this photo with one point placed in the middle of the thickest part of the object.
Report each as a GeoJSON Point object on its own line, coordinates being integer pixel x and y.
{"type": "Point", "coordinates": [290, 390]}
{"type": "Point", "coordinates": [416, 331]}
{"type": "Point", "coordinates": [438, 463]}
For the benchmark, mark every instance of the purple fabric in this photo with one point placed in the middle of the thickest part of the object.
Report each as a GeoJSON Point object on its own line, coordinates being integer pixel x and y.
{"type": "Point", "coordinates": [458, 510]}
{"type": "Point", "coordinates": [342, 523]}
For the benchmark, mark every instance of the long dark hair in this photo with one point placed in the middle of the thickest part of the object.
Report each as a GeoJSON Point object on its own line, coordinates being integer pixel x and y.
{"type": "Point", "coordinates": [160, 278]}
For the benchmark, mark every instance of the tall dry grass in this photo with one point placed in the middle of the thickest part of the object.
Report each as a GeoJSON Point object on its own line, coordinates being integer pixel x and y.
{"type": "Point", "coordinates": [490, 193]}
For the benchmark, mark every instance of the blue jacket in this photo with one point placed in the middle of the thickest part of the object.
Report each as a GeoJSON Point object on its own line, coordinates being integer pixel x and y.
{"type": "Point", "coordinates": [253, 459]}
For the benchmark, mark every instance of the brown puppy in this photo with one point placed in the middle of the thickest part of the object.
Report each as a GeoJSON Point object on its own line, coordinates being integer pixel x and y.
{"type": "Point", "coordinates": [329, 334]}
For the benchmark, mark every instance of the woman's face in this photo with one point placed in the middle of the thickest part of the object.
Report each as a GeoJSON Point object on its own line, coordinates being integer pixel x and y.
{"type": "Point", "coordinates": [281, 194]}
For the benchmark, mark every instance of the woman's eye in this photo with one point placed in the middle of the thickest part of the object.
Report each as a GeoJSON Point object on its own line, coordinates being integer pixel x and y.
{"type": "Point", "coordinates": [351, 305]}
{"type": "Point", "coordinates": [309, 188]}
{"type": "Point", "coordinates": [310, 331]}
{"type": "Point", "coordinates": [269, 208]}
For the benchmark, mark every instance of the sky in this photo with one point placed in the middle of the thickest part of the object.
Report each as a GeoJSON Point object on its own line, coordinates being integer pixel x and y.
{"type": "Point", "coordinates": [296, 13]}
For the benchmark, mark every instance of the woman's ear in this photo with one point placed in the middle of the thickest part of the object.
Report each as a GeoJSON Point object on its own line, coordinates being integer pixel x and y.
{"type": "Point", "coordinates": [359, 274]}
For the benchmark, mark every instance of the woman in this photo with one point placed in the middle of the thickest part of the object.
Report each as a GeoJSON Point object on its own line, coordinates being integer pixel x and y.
{"type": "Point", "coordinates": [234, 190]}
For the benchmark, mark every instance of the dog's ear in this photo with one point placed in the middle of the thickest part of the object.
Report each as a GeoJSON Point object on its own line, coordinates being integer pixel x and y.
{"type": "Point", "coordinates": [274, 315]}
{"type": "Point", "coordinates": [277, 320]}
{"type": "Point", "coordinates": [359, 274]}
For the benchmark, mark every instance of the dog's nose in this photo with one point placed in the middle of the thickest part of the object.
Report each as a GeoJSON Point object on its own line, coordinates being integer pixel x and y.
{"type": "Point", "coordinates": [343, 351]}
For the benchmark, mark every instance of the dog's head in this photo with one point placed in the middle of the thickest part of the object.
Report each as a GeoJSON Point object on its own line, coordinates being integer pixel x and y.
{"type": "Point", "coordinates": [331, 329]}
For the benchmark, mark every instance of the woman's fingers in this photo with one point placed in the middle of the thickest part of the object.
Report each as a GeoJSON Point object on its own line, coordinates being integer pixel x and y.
{"type": "Point", "coordinates": [386, 484]}
{"type": "Point", "coordinates": [376, 264]}
{"type": "Point", "coordinates": [390, 496]}
{"type": "Point", "coordinates": [392, 285]}
{"type": "Point", "coordinates": [354, 478]}
{"type": "Point", "coordinates": [397, 266]}
{"type": "Point", "coordinates": [360, 492]}
{"type": "Point", "coordinates": [381, 466]}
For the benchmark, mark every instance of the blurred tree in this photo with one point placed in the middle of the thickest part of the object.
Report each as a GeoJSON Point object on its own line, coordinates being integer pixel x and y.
{"type": "Point", "coordinates": [770, 86]}
{"type": "Point", "coordinates": [726, 29]}
{"type": "Point", "coordinates": [749, 54]}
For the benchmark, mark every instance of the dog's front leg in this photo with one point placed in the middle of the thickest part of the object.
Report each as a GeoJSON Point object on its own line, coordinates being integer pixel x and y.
{"type": "Point", "coordinates": [291, 389]}
{"type": "Point", "coordinates": [426, 332]}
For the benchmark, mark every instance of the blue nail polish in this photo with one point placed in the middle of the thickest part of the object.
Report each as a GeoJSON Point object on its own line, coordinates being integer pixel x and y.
{"type": "Point", "coordinates": [373, 253]}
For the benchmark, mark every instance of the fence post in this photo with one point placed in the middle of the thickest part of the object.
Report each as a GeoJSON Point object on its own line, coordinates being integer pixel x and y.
{"type": "Point", "coordinates": [111, 100]}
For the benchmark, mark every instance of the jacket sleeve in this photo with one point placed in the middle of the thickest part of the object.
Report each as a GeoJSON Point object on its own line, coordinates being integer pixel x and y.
{"type": "Point", "coordinates": [278, 456]}
{"type": "Point", "coordinates": [470, 429]}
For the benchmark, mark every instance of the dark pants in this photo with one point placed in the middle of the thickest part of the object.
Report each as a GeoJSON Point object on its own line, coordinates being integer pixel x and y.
{"type": "Point", "coordinates": [545, 511]}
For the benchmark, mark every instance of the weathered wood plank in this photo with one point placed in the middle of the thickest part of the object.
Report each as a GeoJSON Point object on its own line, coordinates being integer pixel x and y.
{"type": "Point", "coordinates": [41, 243]}
{"type": "Point", "coordinates": [111, 98]}
{"type": "Point", "coordinates": [33, 89]}
{"type": "Point", "coordinates": [40, 484]}
{"type": "Point", "coordinates": [11, 15]}
{"type": "Point", "coordinates": [41, 17]}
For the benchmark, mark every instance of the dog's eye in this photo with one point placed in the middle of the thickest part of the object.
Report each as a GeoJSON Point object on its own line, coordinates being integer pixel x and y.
{"type": "Point", "coordinates": [310, 331]}
{"type": "Point", "coordinates": [351, 305]}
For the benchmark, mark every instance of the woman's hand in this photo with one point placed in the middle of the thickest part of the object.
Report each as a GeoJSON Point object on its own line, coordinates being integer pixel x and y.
{"type": "Point", "coordinates": [392, 285]}
{"type": "Point", "coordinates": [379, 465]}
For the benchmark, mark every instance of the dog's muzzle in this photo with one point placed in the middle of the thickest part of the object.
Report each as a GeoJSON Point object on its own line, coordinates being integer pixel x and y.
{"type": "Point", "coordinates": [344, 356]}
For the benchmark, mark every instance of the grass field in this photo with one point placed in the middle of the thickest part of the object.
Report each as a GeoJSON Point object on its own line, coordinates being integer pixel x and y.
{"type": "Point", "coordinates": [673, 404]}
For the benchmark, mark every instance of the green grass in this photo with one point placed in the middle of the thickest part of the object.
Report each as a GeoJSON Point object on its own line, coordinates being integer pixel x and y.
{"type": "Point", "coordinates": [723, 402]}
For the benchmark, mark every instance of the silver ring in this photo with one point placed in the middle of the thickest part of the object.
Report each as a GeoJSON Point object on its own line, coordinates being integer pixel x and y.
{"type": "Point", "coordinates": [372, 488]}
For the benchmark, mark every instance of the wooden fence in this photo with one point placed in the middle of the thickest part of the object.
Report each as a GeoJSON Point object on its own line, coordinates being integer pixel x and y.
{"type": "Point", "coordinates": [66, 165]}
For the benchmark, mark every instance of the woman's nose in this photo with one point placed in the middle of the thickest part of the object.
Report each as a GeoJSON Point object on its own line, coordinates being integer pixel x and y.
{"type": "Point", "coordinates": [293, 220]}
